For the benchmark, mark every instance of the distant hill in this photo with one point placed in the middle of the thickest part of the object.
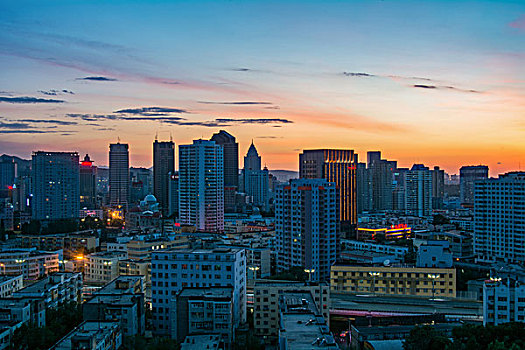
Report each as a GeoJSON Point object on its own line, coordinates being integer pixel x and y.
{"type": "Point", "coordinates": [284, 175]}
{"type": "Point", "coordinates": [23, 165]}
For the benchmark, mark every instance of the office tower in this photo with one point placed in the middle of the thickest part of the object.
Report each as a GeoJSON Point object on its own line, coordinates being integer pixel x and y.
{"type": "Point", "coordinates": [55, 185]}
{"type": "Point", "coordinates": [173, 189]}
{"type": "Point", "coordinates": [88, 184]}
{"type": "Point", "coordinates": [468, 175]}
{"type": "Point", "coordinates": [306, 222]}
{"type": "Point", "coordinates": [175, 269]}
{"type": "Point", "coordinates": [163, 165]}
{"type": "Point", "coordinates": [119, 175]}
{"type": "Point", "coordinates": [418, 195]}
{"type": "Point", "coordinates": [364, 199]}
{"type": "Point", "coordinates": [381, 175]}
{"type": "Point", "coordinates": [256, 181]}
{"type": "Point", "coordinates": [399, 192]}
{"type": "Point", "coordinates": [499, 219]}
{"type": "Point", "coordinates": [201, 186]}
{"type": "Point", "coordinates": [141, 184]}
{"type": "Point", "coordinates": [337, 166]}
{"type": "Point", "coordinates": [8, 174]}
{"type": "Point", "coordinates": [231, 157]}
{"type": "Point", "coordinates": [438, 187]}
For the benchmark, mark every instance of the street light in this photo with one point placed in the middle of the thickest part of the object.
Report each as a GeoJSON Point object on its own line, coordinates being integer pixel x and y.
{"type": "Point", "coordinates": [374, 275]}
{"type": "Point", "coordinates": [433, 277]}
{"type": "Point", "coordinates": [254, 270]}
{"type": "Point", "coordinates": [309, 272]}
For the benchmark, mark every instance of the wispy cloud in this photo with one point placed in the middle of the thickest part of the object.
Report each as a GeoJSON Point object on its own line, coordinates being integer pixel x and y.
{"type": "Point", "coordinates": [410, 79]}
{"type": "Point", "coordinates": [151, 111]}
{"type": "Point", "coordinates": [97, 79]}
{"type": "Point", "coordinates": [15, 125]}
{"type": "Point", "coordinates": [97, 117]}
{"type": "Point", "coordinates": [518, 23]}
{"type": "Point", "coordinates": [235, 103]}
{"type": "Point", "coordinates": [358, 74]}
{"type": "Point", "coordinates": [48, 121]}
{"type": "Point", "coordinates": [54, 92]}
{"type": "Point", "coordinates": [444, 87]}
{"type": "Point", "coordinates": [27, 99]}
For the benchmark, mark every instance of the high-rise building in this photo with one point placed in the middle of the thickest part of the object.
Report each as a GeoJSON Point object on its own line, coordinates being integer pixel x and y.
{"type": "Point", "coordinates": [231, 167]}
{"type": "Point", "coordinates": [8, 174]}
{"type": "Point", "coordinates": [438, 187]}
{"type": "Point", "coordinates": [468, 175]}
{"type": "Point", "coordinates": [364, 199]}
{"type": "Point", "coordinates": [381, 174]}
{"type": "Point", "coordinates": [119, 175]}
{"type": "Point", "coordinates": [231, 157]}
{"type": "Point", "coordinates": [176, 269]}
{"type": "Point", "coordinates": [418, 196]}
{"type": "Point", "coordinates": [163, 165]}
{"type": "Point", "coordinates": [173, 189]}
{"type": "Point", "coordinates": [499, 219]}
{"type": "Point", "coordinates": [201, 185]}
{"type": "Point", "coordinates": [55, 185]}
{"type": "Point", "coordinates": [306, 226]}
{"type": "Point", "coordinates": [399, 192]}
{"type": "Point", "coordinates": [337, 166]}
{"type": "Point", "coordinates": [256, 181]}
{"type": "Point", "coordinates": [141, 184]}
{"type": "Point", "coordinates": [88, 184]}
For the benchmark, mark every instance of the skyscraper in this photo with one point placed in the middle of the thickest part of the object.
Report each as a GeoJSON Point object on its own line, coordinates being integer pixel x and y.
{"type": "Point", "coordinates": [468, 175]}
{"type": "Point", "coordinates": [88, 183]}
{"type": "Point", "coordinates": [381, 174]}
{"type": "Point", "coordinates": [418, 189]}
{"type": "Point", "coordinates": [438, 187]}
{"type": "Point", "coordinates": [119, 175]}
{"type": "Point", "coordinates": [306, 220]}
{"type": "Point", "coordinates": [173, 189]}
{"type": "Point", "coordinates": [231, 157]}
{"type": "Point", "coordinates": [201, 185]}
{"type": "Point", "coordinates": [256, 181]}
{"type": "Point", "coordinates": [163, 166]}
{"type": "Point", "coordinates": [499, 219]}
{"type": "Point", "coordinates": [337, 166]}
{"type": "Point", "coordinates": [231, 167]}
{"type": "Point", "coordinates": [8, 174]}
{"type": "Point", "coordinates": [55, 185]}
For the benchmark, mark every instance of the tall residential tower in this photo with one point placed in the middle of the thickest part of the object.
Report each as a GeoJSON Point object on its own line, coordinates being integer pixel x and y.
{"type": "Point", "coordinates": [163, 167]}
{"type": "Point", "coordinates": [119, 175]}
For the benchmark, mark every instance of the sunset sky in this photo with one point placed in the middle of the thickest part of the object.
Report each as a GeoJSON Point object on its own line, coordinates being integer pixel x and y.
{"type": "Point", "coordinates": [433, 82]}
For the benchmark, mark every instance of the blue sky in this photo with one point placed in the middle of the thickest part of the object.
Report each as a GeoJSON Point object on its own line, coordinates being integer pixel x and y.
{"type": "Point", "coordinates": [423, 81]}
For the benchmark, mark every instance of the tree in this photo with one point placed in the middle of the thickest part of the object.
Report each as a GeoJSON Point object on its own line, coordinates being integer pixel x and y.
{"type": "Point", "coordinates": [425, 338]}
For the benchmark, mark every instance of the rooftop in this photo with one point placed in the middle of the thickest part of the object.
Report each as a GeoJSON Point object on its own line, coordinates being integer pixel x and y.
{"type": "Point", "coordinates": [207, 292]}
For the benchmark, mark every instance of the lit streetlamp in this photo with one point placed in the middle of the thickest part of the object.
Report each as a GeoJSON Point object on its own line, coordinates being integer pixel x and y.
{"type": "Point", "coordinates": [254, 270]}
{"type": "Point", "coordinates": [309, 272]}
{"type": "Point", "coordinates": [374, 275]}
{"type": "Point", "coordinates": [433, 277]}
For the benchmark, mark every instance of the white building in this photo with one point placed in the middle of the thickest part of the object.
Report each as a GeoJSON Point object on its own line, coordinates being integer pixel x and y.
{"type": "Point", "coordinates": [56, 289]}
{"type": "Point", "coordinates": [10, 284]}
{"type": "Point", "coordinates": [499, 219]}
{"type": "Point", "coordinates": [201, 185]}
{"type": "Point", "coordinates": [503, 301]}
{"type": "Point", "coordinates": [306, 217]}
{"type": "Point", "coordinates": [395, 250]}
{"type": "Point", "coordinates": [32, 264]}
{"type": "Point", "coordinates": [172, 270]}
{"type": "Point", "coordinates": [102, 268]}
{"type": "Point", "coordinates": [434, 254]}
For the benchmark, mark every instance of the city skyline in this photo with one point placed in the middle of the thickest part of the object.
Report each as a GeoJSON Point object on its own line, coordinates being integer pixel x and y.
{"type": "Point", "coordinates": [405, 78]}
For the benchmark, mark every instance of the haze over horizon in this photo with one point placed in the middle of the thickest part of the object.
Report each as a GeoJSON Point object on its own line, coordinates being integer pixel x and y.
{"type": "Point", "coordinates": [437, 82]}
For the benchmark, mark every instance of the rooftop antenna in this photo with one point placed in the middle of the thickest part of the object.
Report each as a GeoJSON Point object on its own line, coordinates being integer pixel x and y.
{"type": "Point", "coordinates": [118, 139]}
{"type": "Point", "coordinates": [171, 137]}
{"type": "Point", "coordinates": [156, 136]}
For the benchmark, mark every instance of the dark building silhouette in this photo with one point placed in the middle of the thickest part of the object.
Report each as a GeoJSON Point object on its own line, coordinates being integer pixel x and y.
{"type": "Point", "coordinates": [163, 166]}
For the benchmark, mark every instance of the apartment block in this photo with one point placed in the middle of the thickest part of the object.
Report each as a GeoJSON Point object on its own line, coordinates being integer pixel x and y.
{"type": "Point", "coordinates": [503, 301]}
{"type": "Point", "coordinates": [172, 270]}
{"type": "Point", "coordinates": [394, 280]}
{"type": "Point", "coordinates": [266, 303]}
{"type": "Point", "coordinates": [10, 284]}
{"type": "Point", "coordinates": [101, 268]}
